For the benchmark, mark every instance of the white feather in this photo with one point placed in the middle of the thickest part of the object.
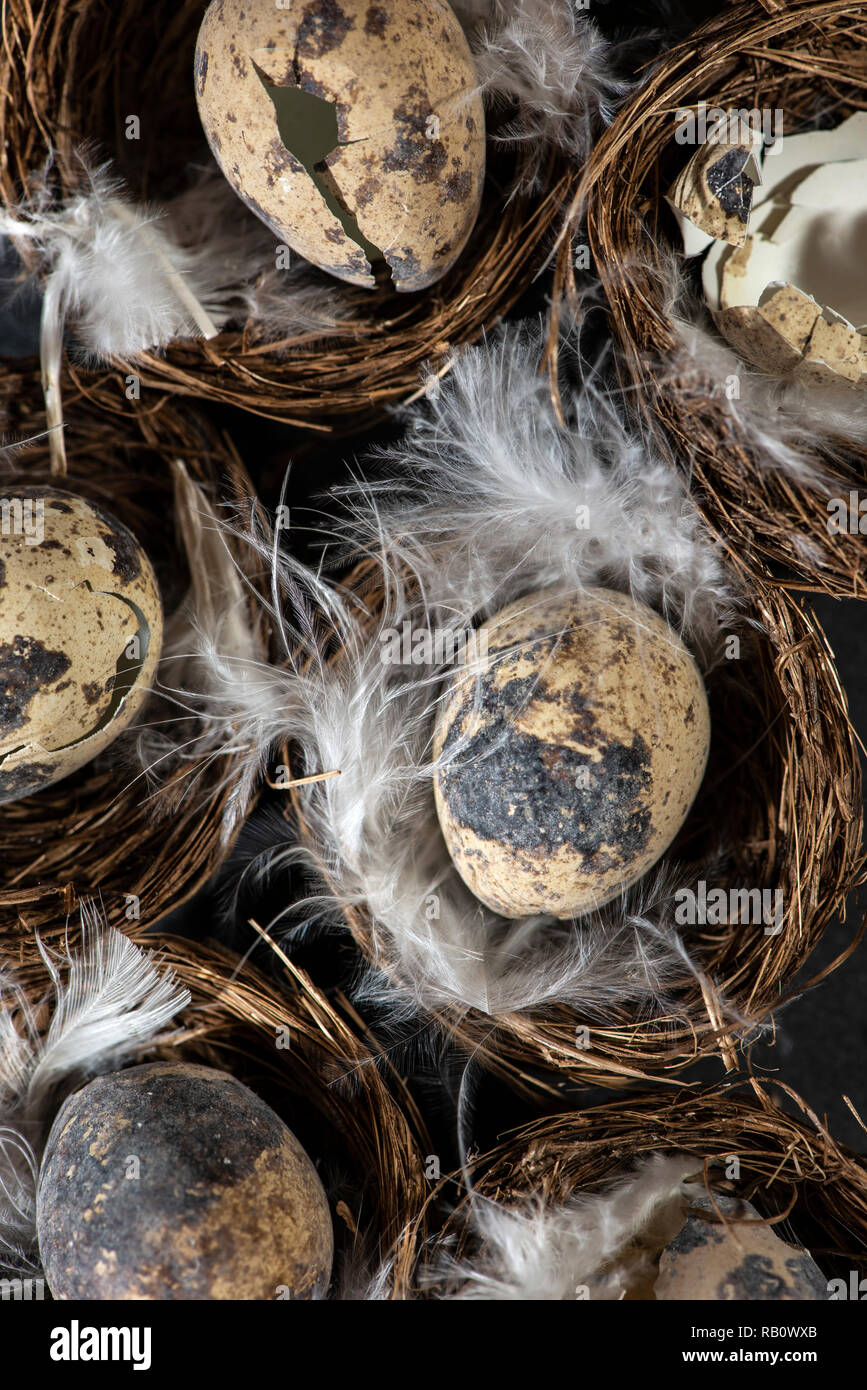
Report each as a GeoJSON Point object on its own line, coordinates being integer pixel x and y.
{"type": "Point", "coordinates": [779, 424]}
{"type": "Point", "coordinates": [533, 1251]}
{"type": "Point", "coordinates": [130, 278]}
{"type": "Point", "coordinates": [547, 60]}
{"type": "Point", "coordinates": [109, 999]}
{"type": "Point", "coordinates": [213, 651]}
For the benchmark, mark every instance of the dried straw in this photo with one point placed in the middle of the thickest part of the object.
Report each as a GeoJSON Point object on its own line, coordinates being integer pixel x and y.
{"type": "Point", "coordinates": [791, 1167]}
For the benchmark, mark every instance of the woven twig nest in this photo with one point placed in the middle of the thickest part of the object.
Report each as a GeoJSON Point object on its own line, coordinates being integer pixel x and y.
{"type": "Point", "coordinates": [140, 839]}
{"type": "Point", "coordinates": [782, 790]}
{"type": "Point", "coordinates": [305, 1054]}
{"type": "Point", "coordinates": [813, 1189]}
{"type": "Point", "coordinates": [346, 1105]}
{"type": "Point", "coordinates": [808, 61]}
{"type": "Point", "coordinates": [72, 73]}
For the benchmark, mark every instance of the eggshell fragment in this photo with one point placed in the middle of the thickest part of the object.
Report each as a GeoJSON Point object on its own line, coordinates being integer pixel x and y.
{"type": "Point", "coordinates": [715, 189]}
{"type": "Point", "coordinates": [712, 1263]}
{"type": "Point", "coordinates": [80, 635]}
{"type": "Point", "coordinates": [402, 174]}
{"type": "Point", "coordinates": [790, 296]}
{"type": "Point", "coordinates": [568, 757]}
{"type": "Point", "coordinates": [174, 1181]}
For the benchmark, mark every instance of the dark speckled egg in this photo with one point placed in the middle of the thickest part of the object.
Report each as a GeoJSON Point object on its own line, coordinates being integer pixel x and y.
{"type": "Point", "coordinates": [355, 131]}
{"type": "Point", "coordinates": [742, 1262]}
{"type": "Point", "coordinates": [80, 635]}
{"type": "Point", "coordinates": [172, 1181]}
{"type": "Point", "coordinates": [569, 754]}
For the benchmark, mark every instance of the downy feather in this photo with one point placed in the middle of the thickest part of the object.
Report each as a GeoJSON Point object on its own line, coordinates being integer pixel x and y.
{"type": "Point", "coordinates": [533, 1251]}
{"type": "Point", "coordinates": [109, 999]}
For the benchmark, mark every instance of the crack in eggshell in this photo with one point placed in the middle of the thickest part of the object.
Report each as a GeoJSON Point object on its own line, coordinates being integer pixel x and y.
{"type": "Point", "coordinates": [72, 604]}
{"type": "Point", "coordinates": [107, 690]}
{"type": "Point", "coordinates": [404, 176]}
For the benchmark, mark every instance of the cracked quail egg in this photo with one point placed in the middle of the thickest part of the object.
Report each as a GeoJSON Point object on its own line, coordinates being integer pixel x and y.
{"type": "Point", "coordinates": [80, 635]}
{"type": "Point", "coordinates": [354, 130]}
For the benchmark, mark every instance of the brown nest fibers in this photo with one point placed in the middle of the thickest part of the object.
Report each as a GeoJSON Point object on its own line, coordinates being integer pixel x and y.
{"type": "Point", "coordinates": [806, 59]}
{"type": "Point", "coordinates": [330, 1084]}
{"type": "Point", "coordinates": [107, 831]}
{"type": "Point", "coordinates": [791, 1167]}
{"type": "Point", "coordinates": [782, 794]}
{"type": "Point", "coordinates": [72, 71]}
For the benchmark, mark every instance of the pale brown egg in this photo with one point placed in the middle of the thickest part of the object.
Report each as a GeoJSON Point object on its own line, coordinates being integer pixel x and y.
{"type": "Point", "coordinates": [714, 1263]}
{"type": "Point", "coordinates": [80, 635]}
{"type": "Point", "coordinates": [569, 755]}
{"type": "Point", "coordinates": [354, 130]}
{"type": "Point", "coordinates": [173, 1181]}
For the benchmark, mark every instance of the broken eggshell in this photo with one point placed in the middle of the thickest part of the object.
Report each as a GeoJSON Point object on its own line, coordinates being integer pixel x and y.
{"type": "Point", "coordinates": [355, 131]}
{"type": "Point", "coordinates": [783, 277]}
{"type": "Point", "coordinates": [80, 635]}
{"type": "Point", "coordinates": [568, 756]}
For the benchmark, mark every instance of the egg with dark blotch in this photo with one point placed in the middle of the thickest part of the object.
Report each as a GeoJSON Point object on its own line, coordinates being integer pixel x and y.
{"type": "Point", "coordinates": [174, 1181]}
{"type": "Point", "coordinates": [568, 754]}
{"type": "Point", "coordinates": [80, 635]}
{"type": "Point", "coordinates": [744, 1261]}
{"type": "Point", "coordinates": [355, 131]}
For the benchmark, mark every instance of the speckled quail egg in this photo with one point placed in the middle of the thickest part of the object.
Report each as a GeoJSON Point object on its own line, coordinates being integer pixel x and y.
{"type": "Point", "coordinates": [173, 1181]}
{"type": "Point", "coordinates": [354, 130]}
{"type": "Point", "coordinates": [80, 634]}
{"type": "Point", "coordinates": [569, 754]}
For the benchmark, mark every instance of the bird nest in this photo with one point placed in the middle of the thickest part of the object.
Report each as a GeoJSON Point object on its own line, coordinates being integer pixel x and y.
{"type": "Point", "coordinates": [311, 1057]}
{"type": "Point", "coordinates": [141, 838]}
{"type": "Point", "coordinates": [72, 72]}
{"type": "Point", "coordinates": [806, 60]}
{"type": "Point", "coordinates": [813, 1189]}
{"type": "Point", "coordinates": [779, 809]}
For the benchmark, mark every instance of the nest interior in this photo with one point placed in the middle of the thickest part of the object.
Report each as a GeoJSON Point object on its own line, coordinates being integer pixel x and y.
{"type": "Point", "coordinates": [808, 60]}
{"type": "Point", "coordinates": [782, 795]}
{"type": "Point", "coordinates": [74, 71]}
{"type": "Point", "coordinates": [794, 1172]}
{"type": "Point", "coordinates": [103, 832]}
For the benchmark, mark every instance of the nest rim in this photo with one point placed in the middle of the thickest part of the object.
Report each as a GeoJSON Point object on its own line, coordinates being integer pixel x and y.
{"type": "Point", "coordinates": [789, 1162]}
{"type": "Point", "coordinates": [815, 760]}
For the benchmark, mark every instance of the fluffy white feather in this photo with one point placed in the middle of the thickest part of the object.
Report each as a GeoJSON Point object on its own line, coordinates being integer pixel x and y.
{"type": "Point", "coordinates": [781, 425]}
{"type": "Point", "coordinates": [534, 1252]}
{"type": "Point", "coordinates": [549, 62]}
{"type": "Point", "coordinates": [490, 514]}
{"type": "Point", "coordinates": [129, 278]}
{"type": "Point", "coordinates": [109, 998]}
{"type": "Point", "coordinates": [213, 651]}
